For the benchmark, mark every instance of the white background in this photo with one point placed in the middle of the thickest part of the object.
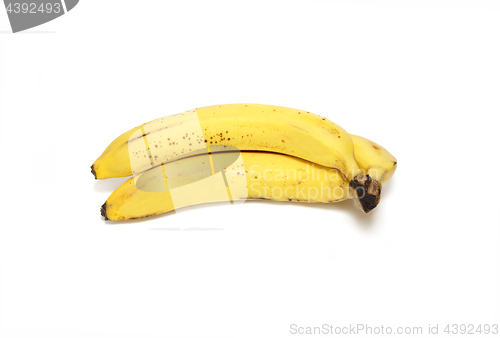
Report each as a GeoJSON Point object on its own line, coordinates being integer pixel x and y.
{"type": "Point", "coordinates": [420, 78]}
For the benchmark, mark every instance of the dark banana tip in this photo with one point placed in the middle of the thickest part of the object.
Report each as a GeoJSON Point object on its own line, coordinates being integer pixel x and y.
{"type": "Point", "coordinates": [367, 191]}
{"type": "Point", "coordinates": [103, 212]}
{"type": "Point", "coordinates": [93, 171]}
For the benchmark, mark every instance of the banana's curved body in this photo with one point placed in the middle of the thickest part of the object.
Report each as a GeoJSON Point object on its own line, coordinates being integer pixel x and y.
{"type": "Point", "coordinates": [248, 127]}
{"type": "Point", "coordinates": [257, 176]}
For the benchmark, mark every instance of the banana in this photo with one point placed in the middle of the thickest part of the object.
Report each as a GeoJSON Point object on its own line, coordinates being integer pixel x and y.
{"type": "Point", "coordinates": [231, 176]}
{"type": "Point", "coordinates": [373, 159]}
{"type": "Point", "coordinates": [248, 127]}
{"type": "Point", "coordinates": [192, 181]}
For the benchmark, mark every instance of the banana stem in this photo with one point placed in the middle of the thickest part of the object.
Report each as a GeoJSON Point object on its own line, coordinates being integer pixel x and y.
{"type": "Point", "coordinates": [366, 192]}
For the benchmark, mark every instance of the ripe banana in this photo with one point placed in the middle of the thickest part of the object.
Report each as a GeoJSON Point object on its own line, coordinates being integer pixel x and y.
{"type": "Point", "coordinates": [373, 159]}
{"type": "Point", "coordinates": [248, 127]}
{"type": "Point", "coordinates": [233, 176]}
{"type": "Point", "coordinates": [256, 175]}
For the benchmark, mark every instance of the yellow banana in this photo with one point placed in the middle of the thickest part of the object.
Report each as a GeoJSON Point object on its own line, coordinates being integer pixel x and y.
{"type": "Point", "coordinates": [373, 159]}
{"type": "Point", "coordinates": [234, 176]}
{"type": "Point", "coordinates": [258, 175]}
{"type": "Point", "coordinates": [248, 127]}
